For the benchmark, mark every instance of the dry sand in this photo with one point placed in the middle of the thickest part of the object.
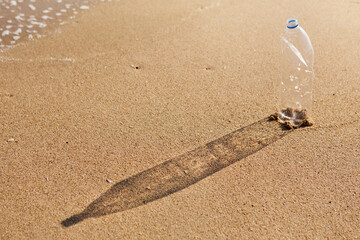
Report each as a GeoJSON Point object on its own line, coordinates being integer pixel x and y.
{"type": "Point", "coordinates": [80, 112]}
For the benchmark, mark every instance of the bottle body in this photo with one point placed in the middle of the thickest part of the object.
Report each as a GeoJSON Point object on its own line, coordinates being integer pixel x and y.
{"type": "Point", "coordinates": [296, 81]}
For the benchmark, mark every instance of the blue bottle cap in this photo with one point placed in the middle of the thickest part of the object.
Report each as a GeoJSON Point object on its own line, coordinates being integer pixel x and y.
{"type": "Point", "coordinates": [292, 23]}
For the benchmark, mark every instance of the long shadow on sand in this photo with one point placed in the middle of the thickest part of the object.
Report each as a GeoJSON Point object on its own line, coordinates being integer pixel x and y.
{"type": "Point", "coordinates": [183, 171]}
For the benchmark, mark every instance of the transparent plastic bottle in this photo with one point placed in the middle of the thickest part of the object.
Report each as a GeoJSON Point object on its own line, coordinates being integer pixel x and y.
{"type": "Point", "coordinates": [296, 82]}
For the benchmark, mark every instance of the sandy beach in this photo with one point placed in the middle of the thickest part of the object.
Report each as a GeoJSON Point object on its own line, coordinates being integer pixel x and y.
{"type": "Point", "coordinates": [130, 86]}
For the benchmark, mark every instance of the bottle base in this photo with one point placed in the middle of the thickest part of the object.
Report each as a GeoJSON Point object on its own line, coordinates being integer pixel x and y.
{"type": "Point", "coordinates": [294, 118]}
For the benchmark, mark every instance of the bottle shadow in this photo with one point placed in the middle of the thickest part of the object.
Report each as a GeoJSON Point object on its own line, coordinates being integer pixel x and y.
{"type": "Point", "coordinates": [184, 170]}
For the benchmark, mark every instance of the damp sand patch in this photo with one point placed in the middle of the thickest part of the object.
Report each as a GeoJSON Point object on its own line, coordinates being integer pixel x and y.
{"type": "Point", "coordinates": [293, 118]}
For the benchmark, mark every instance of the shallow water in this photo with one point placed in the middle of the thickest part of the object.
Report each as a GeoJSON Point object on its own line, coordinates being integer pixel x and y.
{"type": "Point", "coordinates": [22, 20]}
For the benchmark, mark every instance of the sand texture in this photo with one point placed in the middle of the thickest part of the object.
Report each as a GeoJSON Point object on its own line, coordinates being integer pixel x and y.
{"type": "Point", "coordinates": [149, 120]}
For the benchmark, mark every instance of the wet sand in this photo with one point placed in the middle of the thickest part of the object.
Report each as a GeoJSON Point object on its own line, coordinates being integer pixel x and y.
{"type": "Point", "coordinates": [129, 85]}
{"type": "Point", "coordinates": [23, 20]}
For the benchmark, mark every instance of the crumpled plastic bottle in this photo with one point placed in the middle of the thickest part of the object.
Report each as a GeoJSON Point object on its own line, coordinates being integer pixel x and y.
{"type": "Point", "coordinates": [297, 74]}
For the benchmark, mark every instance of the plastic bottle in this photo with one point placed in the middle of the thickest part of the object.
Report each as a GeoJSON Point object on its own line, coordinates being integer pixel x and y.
{"type": "Point", "coordinates": [296, 82]}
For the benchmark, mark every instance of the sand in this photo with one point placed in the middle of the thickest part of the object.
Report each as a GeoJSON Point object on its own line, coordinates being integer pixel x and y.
{"type": "Point", "coordinates": [127, 86]}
